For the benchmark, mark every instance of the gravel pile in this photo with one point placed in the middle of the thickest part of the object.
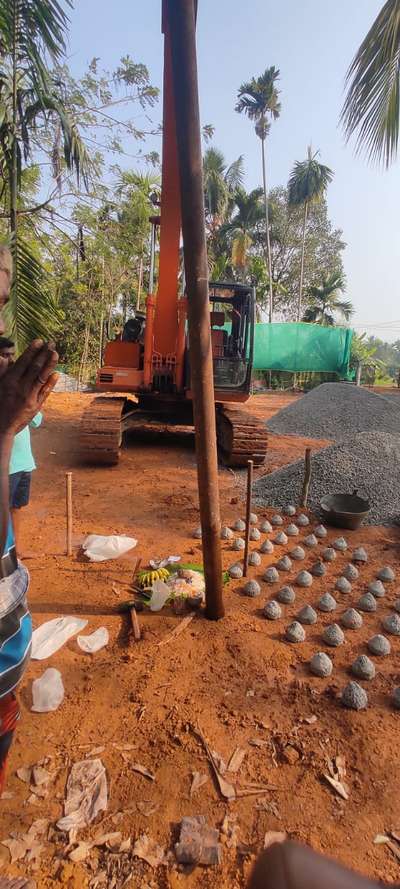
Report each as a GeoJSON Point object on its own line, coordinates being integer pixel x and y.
{"type": "Point", "coordinates": [368, 462]}
{"type": "Point", "coordinates": [335, 410]}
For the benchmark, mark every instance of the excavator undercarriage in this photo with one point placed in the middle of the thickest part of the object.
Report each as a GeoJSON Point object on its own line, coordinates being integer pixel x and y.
{"type": "Point", "coordinates": [240, 436]}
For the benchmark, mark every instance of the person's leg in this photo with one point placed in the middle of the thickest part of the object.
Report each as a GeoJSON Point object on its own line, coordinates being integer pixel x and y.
{"type": "Point", "coordinates": [9, 715]}
{"type": "Point", "coordinates": [19, 499]}
{"type": "Point", "coordinates": [291, 866]}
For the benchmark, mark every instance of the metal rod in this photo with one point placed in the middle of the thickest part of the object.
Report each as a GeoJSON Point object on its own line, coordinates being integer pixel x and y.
{"type": "Point", "coordinates": [68, 479]}
{"type": "Point", "coordinates": [152, 256]}
{"type": "Point", "coordinates": [307, 477]}
{"type": "Point", "coordinates": [181, 29]}
{"type": "Point", "coordinates": [248, 511]}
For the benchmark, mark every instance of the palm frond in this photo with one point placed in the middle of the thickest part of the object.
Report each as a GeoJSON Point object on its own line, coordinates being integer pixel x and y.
{"type": "Point", "coordinates": [234, 175]}
{"type": "Point", "coordinates": [371, 110]}
{"type": "Point", "coordinates": [308, 180]}
{"type": "Point", "coordinates": [31, 311]}
{"type": "Point", "coordinates": [258, 98]}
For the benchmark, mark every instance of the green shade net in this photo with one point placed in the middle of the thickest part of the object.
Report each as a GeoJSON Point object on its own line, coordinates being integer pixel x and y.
{"type": "Point", "coordinates": [302, 347]}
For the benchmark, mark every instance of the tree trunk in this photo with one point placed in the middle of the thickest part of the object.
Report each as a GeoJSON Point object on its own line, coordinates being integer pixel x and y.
{"type": "Point", "coordinates": [358, 374]}
{"type": "Point", "coordinates": [300, 299]}
{"type": "Point", "coordinates": [271, 293]}
{"type": "Point", "coordinates": [140, 282]}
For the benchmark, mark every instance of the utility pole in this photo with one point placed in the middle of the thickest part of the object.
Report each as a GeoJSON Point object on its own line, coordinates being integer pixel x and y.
{"type": "Point", "coordinates": [181, 25]}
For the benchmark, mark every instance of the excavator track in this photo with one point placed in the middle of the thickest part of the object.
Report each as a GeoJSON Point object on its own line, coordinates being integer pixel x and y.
{"type": "Point", "coordinates": [101, 431]}
{"type": "Point", "coordinates": [241, 437]}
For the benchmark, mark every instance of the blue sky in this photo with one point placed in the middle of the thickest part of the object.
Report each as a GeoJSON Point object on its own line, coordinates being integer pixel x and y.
{"type": "Point", "coordinates": [312, 43]}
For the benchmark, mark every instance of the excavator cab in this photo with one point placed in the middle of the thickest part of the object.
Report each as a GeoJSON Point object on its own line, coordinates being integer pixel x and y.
{"type": "Point", "coordinates": [232, 336]}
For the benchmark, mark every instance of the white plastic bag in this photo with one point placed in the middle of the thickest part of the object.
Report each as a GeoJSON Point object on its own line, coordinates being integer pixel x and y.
{"type": "Point", "coordinates": [99, 549]}
{"type": "Point", "coordinates": [47, 691]}
{"type": "Point", "coordinates": [159, 595]}
{"type": "Point", "coordinates": [95, 641]}
{"type": "Point", "coordinates": [86, 794]}
{"type": "Point", "coordinates": [53, 634]}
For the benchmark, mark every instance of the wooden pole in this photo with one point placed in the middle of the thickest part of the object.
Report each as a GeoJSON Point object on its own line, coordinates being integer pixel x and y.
{"type": "Point", "coordinates": [248, 511]}
{"type": "Point", "coordinates": [180, 33]}
{"type": "Point", "coordinates": [307, 477]}
{"type": "Point", "coordinates": [68, 479]}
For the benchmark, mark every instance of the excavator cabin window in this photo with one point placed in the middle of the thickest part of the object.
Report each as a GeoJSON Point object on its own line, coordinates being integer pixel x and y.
{"type": "Point", "coordinates": [232, 319]}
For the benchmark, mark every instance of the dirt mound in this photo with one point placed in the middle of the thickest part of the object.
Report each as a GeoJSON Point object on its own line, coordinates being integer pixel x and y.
{"type": "Point", "coordinates": [368, 462]}
{"type": "Point", "coordinates": [335, 410]}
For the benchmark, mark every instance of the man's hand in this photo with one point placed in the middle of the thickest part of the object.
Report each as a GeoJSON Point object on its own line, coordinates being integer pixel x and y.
{"type": "Point", "coordinates": [25, 386]}
{"type": "Point", "coordinates": [289, 866]}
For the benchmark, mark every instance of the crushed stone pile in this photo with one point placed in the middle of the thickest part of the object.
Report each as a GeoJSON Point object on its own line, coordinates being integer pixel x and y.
{"type": "Point", "coordinates": [368, 462]}
{"type": "Point", "coordinates": [335, 410]}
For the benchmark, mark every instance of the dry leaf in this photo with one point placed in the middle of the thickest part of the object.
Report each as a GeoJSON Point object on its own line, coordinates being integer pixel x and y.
{"type": "Point", "coordinates": [81, 852]}
{"type": "Point", "coordinates": [340, 788]}
{"type": "Point", "coordinates": [254, 790]}
{"type": "Point", "coordinates": [123, 747]}
{"type": "Point", "coordinates": [230, 829]}
{"type": "Point", "coordinates": [125, 846]}
{"type": "Point", "coordinates": [219, 762]}
{"type": "Point", "coordinates": [227, 790]}
{"type": "Point", "coordinates": [111, 840]}
{"type": "Point", "coordinates": [310, 720]}
{"type": "Point", "coordinates": [395, 835]}
{"type": "Point", "coordinates": [147, 807]}
{"type": "Point", "coordinates": [38, 828]}
{"type": "Point", "coordinates": [17, 848]}
{"type": "Point", "coordinates": [7, 795]}
{"type": "Point", "coordinates": [40, 776]}
{"type": "Point", "coordinates": [136, 767]}
{"type": "Point", "coordinates": [257, 742]}
{"type": "Point", "coordinates": [381, 839]}
{"type": "Point", "coordinates": [236, 760]}
{"type": "Point", "coordinates": [146, 849]}
{"type": "Point", "coordinates": [274, 836]}
{"type": "Point", "coordinates": [95, 752]}
{"type": "Point", "coordinates": [25, 774]}
{"type": "Point", "coordinates": [199, 779]}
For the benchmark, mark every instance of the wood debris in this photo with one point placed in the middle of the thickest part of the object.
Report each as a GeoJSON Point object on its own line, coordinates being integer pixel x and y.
{"type": "Point", "coordinates": [384, 840]}
{"type": "Point", "coordinates": [198, 780]}
{"type": "Point", "coordinates": [178, 630]}
{"type": "Point", "coordinates": [337, 774]}
{"type": "Point", "coordinates": [274, 836]}
{"type": "Point", "coordinates": [148, 850]}
{"type": "Point", "coordinates": [236, 760]}
{"type": "Point", "coordinates": [147, 807]}
{"type": "Point", "coordinates": [141, 770]}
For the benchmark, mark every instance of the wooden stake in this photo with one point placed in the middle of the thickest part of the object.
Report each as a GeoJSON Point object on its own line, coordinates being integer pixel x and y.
{"type": "Point", "coordinates": [180, 36]}
{"type": "Point", "coordinates": [135, 625]}
{"type": "Point", "coordinates": [68, 479]}
{"type": "Point", "coordinates": [307, 477]}
{"type": "Point", "coordinates": [248, 511]}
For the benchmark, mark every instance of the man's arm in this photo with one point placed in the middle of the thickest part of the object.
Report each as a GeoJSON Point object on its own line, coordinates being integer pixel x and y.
{"type": "Point", "coordinates": [6, 441]}
{"type": "Point", "coordinates": [24, 387]}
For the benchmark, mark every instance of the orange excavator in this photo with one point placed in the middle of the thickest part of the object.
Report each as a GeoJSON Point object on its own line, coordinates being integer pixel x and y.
{"type": "Point", "coordinates": [146, 375]}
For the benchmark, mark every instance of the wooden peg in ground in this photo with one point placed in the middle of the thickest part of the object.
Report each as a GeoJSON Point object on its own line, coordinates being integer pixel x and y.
{"type": "Point", "coordinates": [68, 479]}
{"type": "Point", "coordinates": [248, 512]}
{"type": "Point", "coordinates": [307, 477]}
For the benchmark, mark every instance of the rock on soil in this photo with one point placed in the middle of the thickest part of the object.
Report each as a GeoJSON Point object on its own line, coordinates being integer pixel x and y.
{"type": "Point", "coordinates": [272, 610]}
{"type": "Point", "coordinates": [321, 665]}
{"type": "Point", "coordinates": [351, 619]}
{"type": "Point", "coordinates": [334, 410]}
{"type": "Point", "coordinates": [286, 595]}
{"type": "Point", "coordinates": [354, 697]}
{"type": "Point", "coordinates": [369, 462]}
{"type": "Point", "coordinates": [379, 645]}
{"type": "Point", "coordinates": [295, 632]}
{"type": "Point", "coordinates": [252, 588]}
{"type": "Point", "coordinates": [363, 667]}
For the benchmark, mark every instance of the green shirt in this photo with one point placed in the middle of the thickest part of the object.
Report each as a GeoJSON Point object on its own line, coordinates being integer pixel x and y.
{"type": "Point", "coordinates": [21, 459]}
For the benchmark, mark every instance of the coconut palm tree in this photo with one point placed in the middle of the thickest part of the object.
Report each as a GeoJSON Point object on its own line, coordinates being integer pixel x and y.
{"type": "Point", "coordinates": [325, 301]}
{"type": "Point", "coordinates": [32, 35]}
{"type": "Point", "coordinates": [307, 184]}
{"type": "Point", "coordinates": [259, 99]}
{"type": "Point", "coordinates": [241, 228]}
{"type": "Point", "coordinates": [220, 183]}
{"type": "Point", "coordinates": [371, 110]}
